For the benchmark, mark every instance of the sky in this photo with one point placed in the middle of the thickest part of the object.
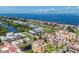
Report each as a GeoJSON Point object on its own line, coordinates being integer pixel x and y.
{"type": "Point", "coordinates": [39, 9]}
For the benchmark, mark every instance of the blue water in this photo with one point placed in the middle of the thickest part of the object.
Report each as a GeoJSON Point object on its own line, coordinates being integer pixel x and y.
{"type": "Point", "coordinates": [72, 19]}
{"type": "Point", "coordinates": [10, 28]}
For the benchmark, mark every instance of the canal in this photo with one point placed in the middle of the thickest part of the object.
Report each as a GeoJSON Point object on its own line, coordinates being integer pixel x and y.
{"type": "Point", "coordinates": [10, 28]}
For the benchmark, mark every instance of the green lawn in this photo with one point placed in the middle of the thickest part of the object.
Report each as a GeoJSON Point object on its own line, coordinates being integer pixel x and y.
{"type": "Point", "coordinates": [47, 31]}
{"type": "Point", "coordinates": [77, 32]}
{"type": "Point", "coordinates": [51, 48]}
{"type": "Point", "coordinates": [27, 35]}
{"type": "Point", "coordinates": [29, 51]}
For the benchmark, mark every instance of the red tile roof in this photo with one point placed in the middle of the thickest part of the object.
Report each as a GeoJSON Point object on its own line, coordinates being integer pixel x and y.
{"type": "Point", "coordinates": [8, 48]}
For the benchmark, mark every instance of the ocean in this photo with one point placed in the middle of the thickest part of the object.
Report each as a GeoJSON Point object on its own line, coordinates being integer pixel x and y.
{"type": "Point", "coordinates": [72, 19]}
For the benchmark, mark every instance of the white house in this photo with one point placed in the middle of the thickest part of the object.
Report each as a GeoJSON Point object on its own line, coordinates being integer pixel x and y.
{"type": "Point", "coordinates": [77, 27]}
{"type": "Point", "coordinates": [32, 32]}
{"type": "Point", "coordinates": [15, 22]}
{"type": "Point", "coordinates": [39, 29]}
{"type": "Point", "coordinates": [9, 34]}
{"type": "Point", "coordinates": [3, 38]}
{"type": "Point", "coordinates": [12, 36]}
{"type": "Point", "coordinates": [19, 35]}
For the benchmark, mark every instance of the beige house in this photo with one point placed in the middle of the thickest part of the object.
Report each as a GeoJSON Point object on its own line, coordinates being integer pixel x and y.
{"type": "Point", "coordinates": [39, 46]}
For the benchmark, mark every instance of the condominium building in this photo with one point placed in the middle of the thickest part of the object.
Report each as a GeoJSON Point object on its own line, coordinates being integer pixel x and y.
{"type": "Point", "coordinates": [56, 41]}
{"type": "Point", "coordinates": [39, 46]}
{"type": "Point", "coordinates": [66, 35]}
{"type": "Point", "coordinates": [73, 47]}
{"type": "Point", "coordinates": [59, 37]}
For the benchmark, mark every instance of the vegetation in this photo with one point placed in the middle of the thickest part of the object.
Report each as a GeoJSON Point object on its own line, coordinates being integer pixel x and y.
{"type": "Point", "coordinates": [3, 31]}
{"type": "Point", "coordinates": [70, 29]}
{"type": "Point", "coordinates": [19, 27]}
{"type": "Point", "coordinates": [25, 48]}
{"type": "Point", "coordinates": [29, 51]}
{"type": "Point", "coordinates": [0, 41]}
{"type": "Point", "coordinates": [51, 48]}
{"type": "Point", "coordinates": [45, 39]}
{"type": "Point", "coordinates": [24, 29]}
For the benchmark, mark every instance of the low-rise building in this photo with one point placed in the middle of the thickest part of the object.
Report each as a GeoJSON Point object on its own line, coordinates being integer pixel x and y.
{"type": "Point", "coordinates": [3, 38]}
{"type": "Point", "coordinates": [66, 35]}
{"type": "Point", "coordinates": [36, 30]}
{"type": "Point", "coordinates": [12, 36]}
{"type": "Point", "coordinates": [56, 41]}
{"type": "Point", "coordinates": [39, 29]}
{"type": "Point", "coordinates": [77, 27]}
{"type": "Point", "coordinates": [59, 37]}
{"type": "Point", "coordinates": [78, 38]}
{"type": "Point", "coordinates": [32, 32]}
{"type": "Point", "coordinates": [9, 48]}
{"type": "Point", "coordinates": [32, 26]}
{"type": "Point", "coordinates": [39, 46]}
{"type": "Point", "coordinates": [15, 22]}
{"type": "Point", "coordinates": [73, 47]}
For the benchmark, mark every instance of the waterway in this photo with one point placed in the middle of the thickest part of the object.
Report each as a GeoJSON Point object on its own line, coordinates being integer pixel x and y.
{"type": "Point", "coordinates": [10, 28]}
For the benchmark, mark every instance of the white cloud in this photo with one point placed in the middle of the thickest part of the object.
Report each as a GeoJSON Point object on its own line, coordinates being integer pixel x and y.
{"type": "Point", "coordinates": [44, 10]}
{"type": "Point", "coordinates": [41, 10]}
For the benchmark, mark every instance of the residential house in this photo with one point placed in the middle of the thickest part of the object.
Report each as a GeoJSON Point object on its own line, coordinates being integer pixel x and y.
{"type": "Point", "coordinates": [12, 36]}
{"type": "Point", "coordinates": [9, 48]}
{"type": "Point", "coordinates": [32, 32]}
{"type": "Point", "coordinates": [38, 30]}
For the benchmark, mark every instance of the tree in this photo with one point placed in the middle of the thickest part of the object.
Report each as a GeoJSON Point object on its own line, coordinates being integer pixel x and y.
{"type": "Point", "coordinates": [70, 29]}
{"type": "Point", "coordinates": [0, 41]}
{"type": "Point", "coordinates": [40, 37]}
{"type": "Point", "coordinates": [45, 39]}
{"type": "Point", "coordinates": [35, 38]}
{"type": "Point", "coordinates": [24, 41]}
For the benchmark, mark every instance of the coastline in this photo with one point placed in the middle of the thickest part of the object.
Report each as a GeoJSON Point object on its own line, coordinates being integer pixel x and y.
{"type": "Point", "coordinates": [71, 19]}
{"type": "Point", "coordinates": [36, 30]}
